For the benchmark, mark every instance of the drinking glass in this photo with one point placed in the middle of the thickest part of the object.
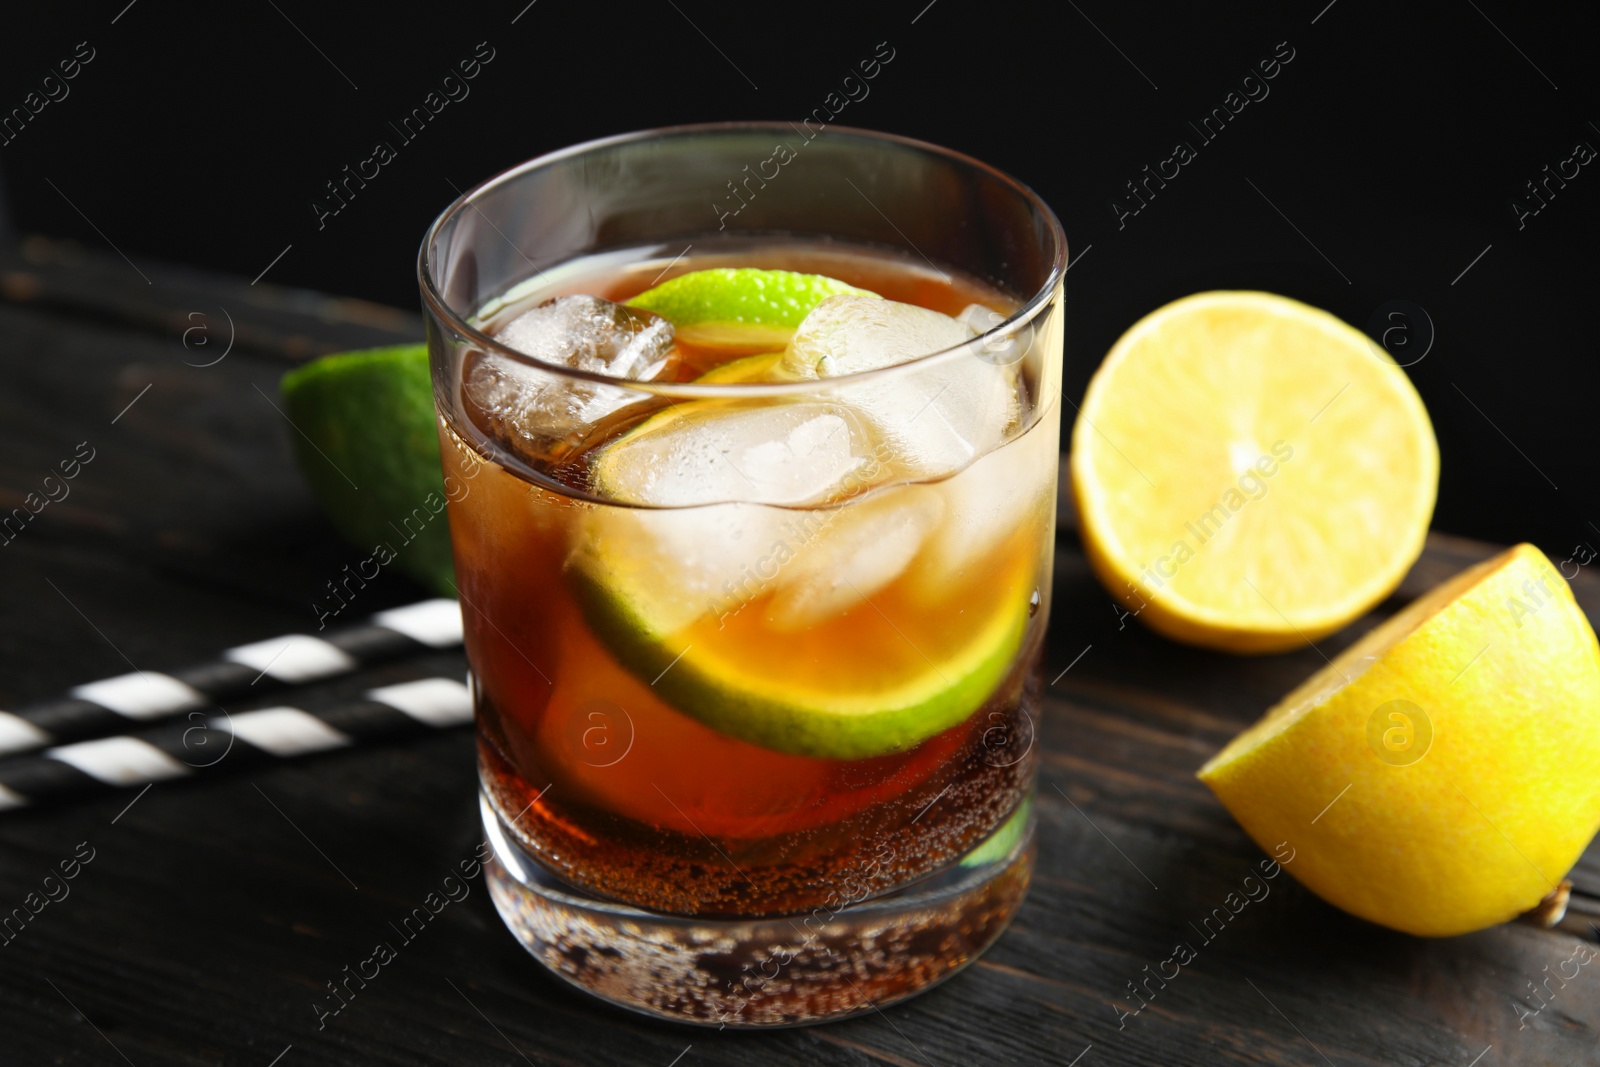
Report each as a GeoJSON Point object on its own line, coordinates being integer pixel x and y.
{"type": "Point", "coordinates": [757, 715]}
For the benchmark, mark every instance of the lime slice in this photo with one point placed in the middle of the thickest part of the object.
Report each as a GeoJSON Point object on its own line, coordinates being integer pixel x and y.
{"type": "Point", "coordinates": [630, 600]}
{"type": "Point", "coordinates": [367, 419]}
{"type": "Point", "coordinates": [757, 368]}
{"type": "Point", "coordinates": [740, 307]}
{"type": "Point", "coordinates": [728, 610]}
{"type": "Point", "coordinates": [655, 583]}
{"type": "Point", "coordinates": [1003, 840]}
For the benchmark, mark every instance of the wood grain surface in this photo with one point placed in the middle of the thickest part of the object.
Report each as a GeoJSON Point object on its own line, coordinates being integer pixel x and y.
{"type": "Point", "coordinates": [212, 913]}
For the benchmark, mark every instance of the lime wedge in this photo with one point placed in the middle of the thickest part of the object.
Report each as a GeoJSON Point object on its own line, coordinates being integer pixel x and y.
{"type": "Point", "coordinates": [740, 307]}
{"type": "Point", "coordinates": [367, 419]}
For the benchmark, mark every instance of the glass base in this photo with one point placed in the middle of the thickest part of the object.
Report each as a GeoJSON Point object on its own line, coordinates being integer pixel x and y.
{"type": "Point", "coordinates": [785, 971]}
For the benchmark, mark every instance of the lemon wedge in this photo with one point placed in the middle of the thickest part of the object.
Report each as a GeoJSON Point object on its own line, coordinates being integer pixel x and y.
{"type": "Point", "coordinates": [1442, 774]}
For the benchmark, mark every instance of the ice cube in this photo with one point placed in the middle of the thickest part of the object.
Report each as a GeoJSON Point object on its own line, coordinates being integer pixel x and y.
{"type": "Point", "coordinates": [934, 419]}
{"type": "Point", "coordinates": [998, 348]}
{"type": "Point", "coordinates": [981, 319]}
{"type": "Point", "coordinates": [673, 566]}
{"type": "Point", "coordinates": [856, 551]}
{"type": "Point", "coordinates": [988, 502]}
{"type": "Point", "coordinates": [525, 406]}
{"type": "Point", "coordinates": [707, 452]}
{"type": "Point", "coordinates": [588, 333]}
{"type": "Point", "coordinates": [846, 334]}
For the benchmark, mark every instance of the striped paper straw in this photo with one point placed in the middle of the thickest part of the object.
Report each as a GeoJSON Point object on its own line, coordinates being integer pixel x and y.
{"type": "Point", "coordinates": [231, 741]}
{"type": "Point", "coordinates": [113, 704]}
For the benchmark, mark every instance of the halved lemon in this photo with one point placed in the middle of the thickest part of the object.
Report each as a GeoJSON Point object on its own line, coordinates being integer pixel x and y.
{"type": "Point", "coordinates": [1442, 774]}
{"type": "Point", "coordinates": [1251, 473]}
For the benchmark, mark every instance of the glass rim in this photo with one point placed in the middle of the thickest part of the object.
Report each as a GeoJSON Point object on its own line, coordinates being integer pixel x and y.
{"type": "Point", "coordinates": [435, 303]}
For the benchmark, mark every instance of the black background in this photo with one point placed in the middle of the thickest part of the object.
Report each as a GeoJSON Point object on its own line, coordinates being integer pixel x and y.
{"type": "Point", "coordinates": [1389, 149]}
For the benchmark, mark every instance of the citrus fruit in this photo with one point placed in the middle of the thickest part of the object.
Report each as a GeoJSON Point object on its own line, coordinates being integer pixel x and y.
{"type": "Point", "coordinates": [739, 307]}
{"type": "Point", "coordinates": [719, 589]}
{"type": "Point", "coordinates": [1442, 774]}
{"type": "Point", "coordinates": [366, 438]}
{"type": "Point", "coordinates": [723, 607]}
{"type": "Point", "coordinates": [639, 596]}
{"type": "Point", "coordinates": [1251, 473]}
{"type": "Point", "coordinates": [1003, 840]}
{"type": "Point", "coordinates": [762, 367]}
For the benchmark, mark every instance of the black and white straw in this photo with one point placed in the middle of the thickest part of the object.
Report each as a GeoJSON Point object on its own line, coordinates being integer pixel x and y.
{"type": "Point", "coordinates": [211, 743]}
{"type": "Point", "coordinates": [112, 705]}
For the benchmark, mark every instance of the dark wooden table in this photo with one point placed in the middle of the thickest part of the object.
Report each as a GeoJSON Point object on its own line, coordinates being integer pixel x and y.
{"type": "Point", "coordinates": [214, 911]}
